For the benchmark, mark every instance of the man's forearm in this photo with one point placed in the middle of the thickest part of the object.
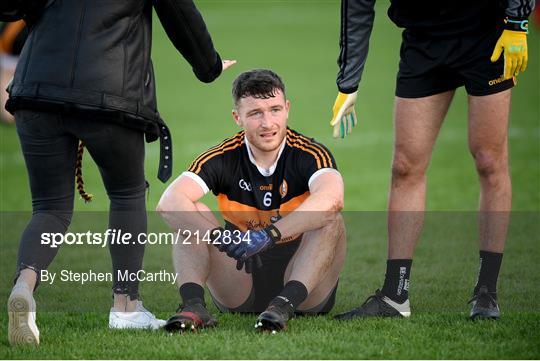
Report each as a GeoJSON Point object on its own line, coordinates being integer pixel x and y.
{"type": "Point", "coordinates": [315, 212]}
{"type": "Point", "coordinates": [184, 215]}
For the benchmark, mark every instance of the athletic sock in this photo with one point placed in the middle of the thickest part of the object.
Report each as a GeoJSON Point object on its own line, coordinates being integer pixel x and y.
{"type": "Point", "coordinates": [396, 280]}
{"type": "Point", "coordinates": [490, 264]}
{"type": "Point", "coordinates": [190, 291]}
{"type": "Point", "coordinates": [294, 293]}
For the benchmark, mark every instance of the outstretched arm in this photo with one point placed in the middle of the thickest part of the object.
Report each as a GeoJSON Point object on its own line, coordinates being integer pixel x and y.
{"type": "Point", "coordinates": [357, 18]}
{"type": "Point", "coordinates": [187, 30]}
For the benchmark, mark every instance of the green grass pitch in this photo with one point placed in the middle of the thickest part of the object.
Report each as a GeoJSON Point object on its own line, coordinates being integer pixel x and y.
{"type": "Point", "coordinates": [299, 40]}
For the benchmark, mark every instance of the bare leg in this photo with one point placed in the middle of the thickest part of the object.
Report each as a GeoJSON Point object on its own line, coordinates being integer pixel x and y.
{"type": "Point", "coordinates": [202, 263]}
{"type": "Point", "coordinates": [488, 143]}
{"type": "Point", "coordinates": [29, 277]}
{"type": "Point", "coordinates": [417, 124]}
{"type": "Point", "coordinates": [318, 262]}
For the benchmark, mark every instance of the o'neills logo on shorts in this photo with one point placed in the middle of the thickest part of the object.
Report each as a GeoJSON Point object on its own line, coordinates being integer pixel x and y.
{"type": "Point", "coordinates": [496, 81]}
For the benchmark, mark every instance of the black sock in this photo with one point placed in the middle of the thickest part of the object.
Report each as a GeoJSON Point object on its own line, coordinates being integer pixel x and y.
{"type": "Point", "coordinates": [396, 281]}
{"type": "Point", "coordinates": [490, 264]}
{"type": "Point", "coordinates": [295, 292]}
{"type": "Point", "coordinates": [189, 291]}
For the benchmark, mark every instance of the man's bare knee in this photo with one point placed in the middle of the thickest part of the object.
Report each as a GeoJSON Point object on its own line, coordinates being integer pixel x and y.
{"type": "Point", "coordinates": [490, 165]}
{"type": "Point", "coordinates": [405, 169]}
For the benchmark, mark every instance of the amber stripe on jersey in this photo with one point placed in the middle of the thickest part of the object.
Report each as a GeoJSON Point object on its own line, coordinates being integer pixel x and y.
{"type": "Point", "coordinates": [215, 150]}
{"type": "Point", "coordinates": [231, 146]}
{"type": "Point", "coordinates": [319, 146]}
{"type": "Point", "coordinates": [309, 143]}
{"type": "Point", "coordinates": [320, 149]}
{"type": "Point", "coordinates": [293, 143]}
{"type": "Point", "coordinates": [216, 147]}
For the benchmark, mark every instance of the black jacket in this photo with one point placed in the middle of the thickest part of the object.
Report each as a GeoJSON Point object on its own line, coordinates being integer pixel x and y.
{"type": "Point", "coordinates": [433, 17]}
{"type": "Point", "coordinates": [92, 58]}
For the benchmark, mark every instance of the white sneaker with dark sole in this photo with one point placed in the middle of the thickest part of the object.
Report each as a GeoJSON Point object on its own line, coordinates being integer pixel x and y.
{"type": "Point", "coordinates": [141, 318]}
{"type": "Point", "coordinates": [22, 328]}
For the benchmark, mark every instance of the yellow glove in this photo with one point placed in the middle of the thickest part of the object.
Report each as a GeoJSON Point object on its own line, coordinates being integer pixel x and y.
{"type": "Point", "coordinates": [514, 45]}
{"type": "Point", "coordinates": [344, 117]}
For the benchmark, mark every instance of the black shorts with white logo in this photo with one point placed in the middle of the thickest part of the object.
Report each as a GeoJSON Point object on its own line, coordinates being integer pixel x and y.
{"type": "Point", "coordinates": [432, 65]}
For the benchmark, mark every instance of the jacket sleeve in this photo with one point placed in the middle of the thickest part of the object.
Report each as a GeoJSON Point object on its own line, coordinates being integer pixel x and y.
{"type": "Point", "coordinates": [186, 29]}
{"type": "Point", "coordinates": [357, 18]}
{"type": "Point", "coordinates": [519, 9]}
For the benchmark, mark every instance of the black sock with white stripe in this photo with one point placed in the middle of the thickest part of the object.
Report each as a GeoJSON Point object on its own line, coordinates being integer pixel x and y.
{"type": "Point", "coordinates": [396, 281]}
{"type": "Point", "coordinates": [294, 293]}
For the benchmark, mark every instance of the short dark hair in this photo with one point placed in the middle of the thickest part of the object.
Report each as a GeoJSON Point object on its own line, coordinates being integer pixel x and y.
{"type": "Point", "coordinates": [257, 83]}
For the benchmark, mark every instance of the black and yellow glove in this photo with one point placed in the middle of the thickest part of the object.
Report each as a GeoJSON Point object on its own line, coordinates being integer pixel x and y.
{"type": "Point", "coordinates": [513, 42]}
{"type": "Point", "coordinates": [344, 115]}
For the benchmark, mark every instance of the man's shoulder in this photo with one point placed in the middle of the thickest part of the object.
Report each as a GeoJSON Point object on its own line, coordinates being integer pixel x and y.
{"type": "Point", "coordinates": [216, 153]}
{"type": "Point", "coordinates": [310, 148]}
{"type": "Point", "coordinates": [228, 144]}
{"type": "Point", "coordinates": [295, 137]}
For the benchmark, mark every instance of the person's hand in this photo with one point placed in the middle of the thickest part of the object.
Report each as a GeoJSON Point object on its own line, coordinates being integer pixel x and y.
{"type": "Point", "coordinates": [513, 43]}
{"type": "Point", "coordinates": [227, 64]}
{"type": "Point", "coordinates": [344, 115]}
{"type": "Point", "coordinates": [250, 264]}
{"type": "Point", "coordinates": [251, 243]}
{"type": "Point", "coordinates": [232, 247]}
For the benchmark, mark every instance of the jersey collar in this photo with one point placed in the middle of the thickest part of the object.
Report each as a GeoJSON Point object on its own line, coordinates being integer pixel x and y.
{"type": "Point", "coordinates": [265, 172]}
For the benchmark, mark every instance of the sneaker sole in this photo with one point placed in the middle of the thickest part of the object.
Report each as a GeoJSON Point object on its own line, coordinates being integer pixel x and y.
{"type": "Point", "coordinates": [485, 316]}
{"type": "Point", "coordinates": [348, 316]}
{"type": "Point", "coordinates": [133, 326]}
{"type": "Point", "coordinates": [19, 332]}
{"type": "Point", "coordinates": [114, 324]}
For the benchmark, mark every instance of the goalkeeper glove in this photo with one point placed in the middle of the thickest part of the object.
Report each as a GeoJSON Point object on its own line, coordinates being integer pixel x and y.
{"type": "Point", "coordinates": [513, 41]}
{"type": "Point", "coordinates": [344, 116]}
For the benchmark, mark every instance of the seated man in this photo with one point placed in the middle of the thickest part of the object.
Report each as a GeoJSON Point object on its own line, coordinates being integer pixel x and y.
{"type": "Point", "coordinates": [281, 195]}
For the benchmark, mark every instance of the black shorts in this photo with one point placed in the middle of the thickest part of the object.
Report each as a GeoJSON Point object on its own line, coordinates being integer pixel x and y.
{"type": "Point", "coordinates": [268, 283]}
{"type": "Point", "coordinates": [431, 65]}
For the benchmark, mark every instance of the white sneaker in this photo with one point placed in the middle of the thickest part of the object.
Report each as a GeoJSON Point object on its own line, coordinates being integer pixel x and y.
{"type": "Point", "coordinates": [140, 318]}
{"type": "Point", "coordinates": [22, 328]}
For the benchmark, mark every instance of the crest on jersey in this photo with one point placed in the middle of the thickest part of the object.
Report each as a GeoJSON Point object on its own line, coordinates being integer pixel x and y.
{"type": "Point", "coordinates": [283, 188]}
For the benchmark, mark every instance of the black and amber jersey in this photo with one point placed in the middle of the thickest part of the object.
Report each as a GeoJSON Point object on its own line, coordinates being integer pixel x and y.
{"type": "Point", "coordinates": [250, 197]}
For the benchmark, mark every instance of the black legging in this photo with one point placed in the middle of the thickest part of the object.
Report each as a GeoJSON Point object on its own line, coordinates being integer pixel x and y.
{"type": "Point", "coordinates": [49, 143]}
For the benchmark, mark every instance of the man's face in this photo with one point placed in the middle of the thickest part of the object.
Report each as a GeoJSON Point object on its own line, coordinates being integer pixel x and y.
{"type": "Point", "coordinates": [264, 120]}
